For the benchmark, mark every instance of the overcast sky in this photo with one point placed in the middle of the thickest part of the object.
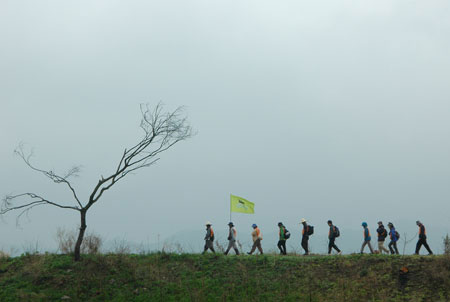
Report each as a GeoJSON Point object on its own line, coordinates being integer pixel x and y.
{"type": "Point", "coordinates": [317, 109]}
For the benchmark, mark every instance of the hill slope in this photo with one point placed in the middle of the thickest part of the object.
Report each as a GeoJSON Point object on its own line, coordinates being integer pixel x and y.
{"type": "Point", "coordinates": [192, 277]}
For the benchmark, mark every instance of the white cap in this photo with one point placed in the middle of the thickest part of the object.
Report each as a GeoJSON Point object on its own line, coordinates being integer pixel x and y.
{"type": "Point", "coordinates": [303, 220]}
{"type": "Point", "coordinates": [208, 223]}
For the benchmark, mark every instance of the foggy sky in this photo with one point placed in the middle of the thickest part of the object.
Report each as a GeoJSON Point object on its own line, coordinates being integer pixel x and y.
{"type": "Point", "coordinates": [318, 109]}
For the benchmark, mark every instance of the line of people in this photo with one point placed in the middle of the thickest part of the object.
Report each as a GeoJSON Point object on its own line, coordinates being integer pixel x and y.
{"type": "Point", "coordinates": [382, 234]}
{"type": "Point", "coordinates": [308, 230]}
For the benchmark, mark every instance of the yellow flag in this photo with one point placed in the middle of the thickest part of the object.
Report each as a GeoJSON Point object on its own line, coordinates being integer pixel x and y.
{"type": "Point", "coordinates": [241, 205]}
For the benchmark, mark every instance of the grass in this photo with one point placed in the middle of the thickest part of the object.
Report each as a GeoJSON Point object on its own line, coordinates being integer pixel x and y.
{"type": "Point", "coordinates": [193, 277]}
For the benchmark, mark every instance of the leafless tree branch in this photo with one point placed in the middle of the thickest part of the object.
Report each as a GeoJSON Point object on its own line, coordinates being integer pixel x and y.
{"type": "Point", "coordinates": [72, 172]}
{"type": "Point", "coordinates": [33, 201]}
{"type": "Point", "coordinates": [161, 132]}
{"type": "Point", "coordinates": [406, 241]}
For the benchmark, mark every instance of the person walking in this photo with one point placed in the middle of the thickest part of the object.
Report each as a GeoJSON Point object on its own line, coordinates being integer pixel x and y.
{"type": "Point", "coordinates": [209, 238]}
{"type": "Point", "coordinates": [257, 237]}
{"type": "Point", "coordinates": [333, 233]}
{"type": "Point", "coordinates": [367, 238]}
{"type": "Point", "coordinates": [305, 236]}
{"type": "Point", "coordinates": [232, 235]}
{"type": "Point", "coordinates": [422, 239]}
{"type": "Point", "coordinates": [282, 239]}
{"type": "Point", "coordinates": [382, 234]}
{"type": "Point", "coordinates": [394, 238]}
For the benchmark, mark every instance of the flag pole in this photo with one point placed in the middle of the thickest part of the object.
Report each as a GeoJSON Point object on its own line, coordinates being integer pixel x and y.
{"type": "Point", "coordinates": [230, 208]}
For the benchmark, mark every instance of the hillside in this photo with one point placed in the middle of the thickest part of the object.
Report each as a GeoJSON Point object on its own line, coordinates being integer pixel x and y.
{"type": "Point", "coordinates": [193, 277]}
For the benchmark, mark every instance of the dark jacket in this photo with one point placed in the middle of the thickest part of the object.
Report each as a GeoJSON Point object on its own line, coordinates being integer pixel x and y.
{"type": "Point", "coordinates": [305, 229]}
{"type": "Point", "coordinates": [422, 232]}
{"type": "Point", "coordinates": [331, 232]}
{"type": "Point", "coordinates": [382, 233]}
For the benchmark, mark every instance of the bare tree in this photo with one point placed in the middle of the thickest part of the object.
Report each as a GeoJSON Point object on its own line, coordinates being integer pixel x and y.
{"type": "Point", "coordinates": [161, 129]}
{"type": "Point", "coordinates": [407, 241]}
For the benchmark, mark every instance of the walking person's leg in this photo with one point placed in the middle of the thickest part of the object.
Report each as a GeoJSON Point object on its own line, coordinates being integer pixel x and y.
{"type": "Point", "coordinates": [236, 250]}
{"type": "Point", "coordinates": [284, 247]}
{"type": "Point", "coordinates": [383, 247]}
{"type": "Point", "coordinates": [380, 247]}
{"type": "Point", "coordinates": [333, 245]}
{"type": "Point", "coordinates": [418, 246]}
{"type": "Point", "coordinates": [258, 245]}
{"type": "Point", "coordinates": [279, 246]}
{"type": "Point", "coordinates": [363, 246]}
{"type": "Point", "coordinates": [305, 244]}
{"type": "Point", "coordinates": [370, 247]}
{"type": "Point", "coordinates": [396, 249]}
{"type": "Point", "coordinates": [336, 248]}
{"type": "Point", "coordinates": [253, 248]}
{"type": "Point", "coordinates": [209, 245]}
{"type": "Point", "coordinates": [230, 245]}
{"type": "Point", "coordinates": [393, 247]}
{"type": "Point", "coordinates": [425, 244]}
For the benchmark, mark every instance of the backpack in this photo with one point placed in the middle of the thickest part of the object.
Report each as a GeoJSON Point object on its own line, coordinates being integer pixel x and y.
{"type": "Point", "coordinates": [310, 230]}
{"type": "Point", "coordinates": [397, 235]}
{"type": "Point", "coordinates": [287, 234]}
{"type": "Point", "coordinates": [212, 235]}
{"type": "Point", "coordinates": [384, 234]}
{"type": "Point", "coordinates": [337, 233]}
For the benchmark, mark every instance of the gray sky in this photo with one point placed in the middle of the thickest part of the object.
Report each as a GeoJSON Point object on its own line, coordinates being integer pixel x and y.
{"type": "Point", "coordinates": [316, 109]}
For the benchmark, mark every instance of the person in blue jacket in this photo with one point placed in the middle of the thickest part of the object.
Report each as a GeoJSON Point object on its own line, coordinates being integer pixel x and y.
{"type": "Point", "coordinates": [367, 238]}
{"type": "Point", "coordinates": [394, 238]}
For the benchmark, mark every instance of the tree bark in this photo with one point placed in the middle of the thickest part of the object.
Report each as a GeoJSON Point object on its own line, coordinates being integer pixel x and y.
{"type": "Point", "coordinates": [83, 227]}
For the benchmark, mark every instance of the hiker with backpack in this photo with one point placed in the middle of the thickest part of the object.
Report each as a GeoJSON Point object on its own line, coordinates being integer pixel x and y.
{"type": "Point", "coordinates": [333, 233]}
{"type": "Point", "coordinates": [422, 239]}
{"type": "Point", "coordinates": [307, 231]}
{"type": "Point", "coordinates": [232, 235]}
{"type": "Point", "coordinates": [367, 238]}
{"type": "Point", "coordinates": [209, 238]}
{"type": "Point", "coordinates": [394, 235]}
{"type": "Point", "coordinates": [283, 236]}
{"type": "Point", "coordinates": [382, 234]}
{"type": "Point", "coordinates": [257, 237]}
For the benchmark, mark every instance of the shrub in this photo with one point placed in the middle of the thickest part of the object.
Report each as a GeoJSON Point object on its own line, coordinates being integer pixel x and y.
{"type": "Point", "coordinates": [67, 239]}
{"type": "Point", "coordinates": [121, 247]}
{"type": "Point", "coordinates": [172, 248]}
{"type": "Point", "coordinates": [3, 255]}
{"type": "Point", "coordinates": [447, 245]}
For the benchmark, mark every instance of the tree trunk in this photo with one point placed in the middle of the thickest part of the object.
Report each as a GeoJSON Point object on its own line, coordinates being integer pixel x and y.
{"type": "Point", "coordinates": [83, 227]}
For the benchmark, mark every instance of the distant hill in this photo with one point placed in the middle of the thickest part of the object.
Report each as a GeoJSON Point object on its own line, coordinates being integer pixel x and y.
{"type": "Point", "coordinates": [188, 277]}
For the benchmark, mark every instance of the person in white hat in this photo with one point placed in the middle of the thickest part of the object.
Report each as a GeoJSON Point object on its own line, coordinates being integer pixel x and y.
{"type": "Point", "coordinates": [232, 238]}
{"type": "Point", "coordinates": [209, 238]}
{"type": "Point", "coordinates": [305, 236]}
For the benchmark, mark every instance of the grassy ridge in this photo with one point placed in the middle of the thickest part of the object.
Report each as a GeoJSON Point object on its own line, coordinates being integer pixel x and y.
{"type": "Point", "coordinates": [190, 277]}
